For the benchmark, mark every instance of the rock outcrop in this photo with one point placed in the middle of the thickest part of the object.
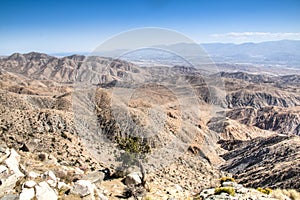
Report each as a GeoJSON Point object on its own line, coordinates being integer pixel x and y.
{"type": "Point", "coordinates": [264, 162]}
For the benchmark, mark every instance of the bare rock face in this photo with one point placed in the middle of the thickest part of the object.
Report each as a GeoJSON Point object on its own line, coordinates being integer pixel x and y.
{"type": "Point", "coordinates": [264, 162]}
{"type": "Point", "coordinates": [261, 99]}
{"type": "Point", "coordinates": [234, 130]}
{"type": "Point", "coordinates": [280, 120]}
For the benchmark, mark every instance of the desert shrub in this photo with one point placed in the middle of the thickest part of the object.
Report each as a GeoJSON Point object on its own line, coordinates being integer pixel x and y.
{"type": "Point", "coordinates": [265, 190]}
{"type": "Point", "coordinates": [226, 178]}
{"type": "Point", "coordinates": [134, 149]}
{"type": "Point", "coordinates": [228, 190]}
{"type": "Point", "coordinates": [133, 144]}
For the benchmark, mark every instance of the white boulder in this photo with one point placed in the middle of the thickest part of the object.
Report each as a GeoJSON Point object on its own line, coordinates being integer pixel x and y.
{"type": "Point", "coordinates": [12, 162]}
{"type": "Point", "coordinates": [133, 179]}
{"type": "Point", "coordinates": [27, 194]}
{"type": "Point", "coordinates": [45, 192]}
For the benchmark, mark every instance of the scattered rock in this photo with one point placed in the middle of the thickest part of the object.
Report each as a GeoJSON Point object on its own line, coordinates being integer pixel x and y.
{"type": "Point", "coordinates": [3, 171]}
{"type": "Point", "coordinates": [229, 184]}
{"type": "Point", "coordinates": [83, 188]}
{"type": "Point", "coordinates": [33, 175]}
{"type": "Point", "coordinates": [63, 188]}
{"type": "Point", "coordinates": [27, 194]}
{"type": "Point", "coordinates": [8, 184]}
{"type": "Point", "coordinates": [50, 177]}
{"type": "Point", "coordinates": [12, 162]}
{"type": "Point", "coordinates": [94, 177]}
{"type": "Point", "coordinates": [10, 197]}
{"type": "Point", "coordinates": [207, 192]}
{"type": "Point", "coordinates": [133, 179]}
{"type": "Point", "coordinates": [45, 192]}
{"type": "Point", "coordinates": [29, 184]}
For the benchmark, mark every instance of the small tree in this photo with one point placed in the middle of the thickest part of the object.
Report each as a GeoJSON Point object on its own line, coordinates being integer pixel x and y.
{"type": "Point", "coordinates": [134, 150]}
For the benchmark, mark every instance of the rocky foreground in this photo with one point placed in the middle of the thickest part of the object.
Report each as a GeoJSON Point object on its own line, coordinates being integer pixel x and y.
{"type": "Point", "coordinates": [26, 176]}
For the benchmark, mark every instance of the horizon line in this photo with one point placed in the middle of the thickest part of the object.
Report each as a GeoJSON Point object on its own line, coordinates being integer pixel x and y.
{"type": "Point", "coordinates": [69, 53]}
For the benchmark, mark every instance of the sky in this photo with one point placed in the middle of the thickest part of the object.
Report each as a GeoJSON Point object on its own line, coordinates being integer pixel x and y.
{"type": "Point", "coordinates": [55, 26]}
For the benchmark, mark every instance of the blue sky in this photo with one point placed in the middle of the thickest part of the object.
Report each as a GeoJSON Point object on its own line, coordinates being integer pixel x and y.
{"type": "Point", "coordinates": [54, 26]}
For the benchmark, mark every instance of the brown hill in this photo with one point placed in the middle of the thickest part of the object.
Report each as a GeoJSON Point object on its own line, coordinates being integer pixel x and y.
{"type": "Point", "coordinates": [75, 108]}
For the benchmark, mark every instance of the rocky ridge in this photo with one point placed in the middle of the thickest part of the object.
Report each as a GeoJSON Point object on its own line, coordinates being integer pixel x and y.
{"type": "Point", "coordinates": [37, 121]}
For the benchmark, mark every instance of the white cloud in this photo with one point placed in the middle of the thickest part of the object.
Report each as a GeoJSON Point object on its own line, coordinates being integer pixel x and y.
{"type": "Point", "coordinates": [256, 36]}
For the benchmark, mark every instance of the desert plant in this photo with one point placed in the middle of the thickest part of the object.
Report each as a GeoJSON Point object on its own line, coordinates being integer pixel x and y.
{"type": "Point", "coordinates": [228, 190]}
{"type": "Point", "coordinates": [134, 150]}
{"type": "Point", "coordinates": [265, 190]}
{"type": "Point", "coordinates": [133, 144]}
{"type": "Point", "coordinates": [226, 179]}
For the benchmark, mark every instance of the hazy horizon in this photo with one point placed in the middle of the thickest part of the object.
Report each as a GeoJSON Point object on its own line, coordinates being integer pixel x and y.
{"type": "Point", "coordinates": [66, 53]}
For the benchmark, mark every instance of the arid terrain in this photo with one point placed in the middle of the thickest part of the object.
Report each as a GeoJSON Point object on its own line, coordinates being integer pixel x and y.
{"type": "Point", "coordinates": [74, 127]}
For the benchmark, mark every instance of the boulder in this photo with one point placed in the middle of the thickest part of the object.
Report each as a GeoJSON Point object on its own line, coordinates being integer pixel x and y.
{"type": "Point", "coordinates": [10, 197]}
{"type": "Point", "coordinates": [94, 177]}
{"type": "Point", "coordinates": [207, 192]}
{"type": "Point", "coordinates": [229, 184]}
{"type": "Point", "coordinates": [121, 172]}
{"type": "Point", "coordinates": [100, 195]}
{"type": "Point", "coordinates": [3, 171]}
{"type": "Point", "coordinates": [12, 162]}
{"type": "Point", "coordinates": [133, 179]}
{"type": "Point", "coordinates": [33, 175]}
{"type": "Point", "coordinates": [45, 192]}
{"type": "Point", "coordinates": [50, 177]}
{"type": "Point", "coordinates": [83, 188]}
{"type": "Point", "coordinates": [63, 187]}
{"type": "Point", "coordinates": [8, 184]}
{"type": "Point", "coordinates": [29, 184]}
{"type": "Point", "coordinates": [27, 194]}
{"type": "Point", "coordinates": [4, 154]}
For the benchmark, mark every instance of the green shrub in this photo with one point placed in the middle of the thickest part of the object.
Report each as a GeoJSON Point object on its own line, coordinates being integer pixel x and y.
{"type": "Point", "coordinates": [228, 190]}
{"type": "Point", "coordinates": [133, 145]}
{"type": "Point", "coordinates": [225, 179]}
{"type": "Point", "coordinates": [265, 190]}
{"type": "Point", "coordinates": [134, 149]}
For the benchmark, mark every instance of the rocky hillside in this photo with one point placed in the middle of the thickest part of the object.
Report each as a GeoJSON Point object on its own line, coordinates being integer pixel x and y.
{"type": "Point", "coordinates": [87, 114]}
{"type": "Point", "coordinates": [68, 69]}
{"type": "Point", "coordinates": [264, 162]}
{"type": "Point", "coordinates": [267, 102]}
{"type": "Point", "coordinates": [281, 120]}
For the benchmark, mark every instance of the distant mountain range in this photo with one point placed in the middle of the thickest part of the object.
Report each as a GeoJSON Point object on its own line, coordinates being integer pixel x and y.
{"type": "Point", "coordinates": [284, 52]}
